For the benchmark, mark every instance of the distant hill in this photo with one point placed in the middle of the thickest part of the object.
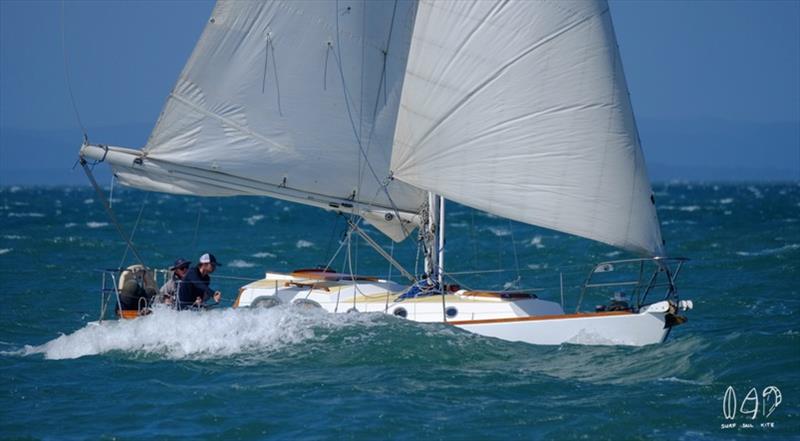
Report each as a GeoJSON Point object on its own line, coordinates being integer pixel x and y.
{"type": "Point", "coordinates": [693, 150]}
{"type": "Point", "coordinates": [718, 150]}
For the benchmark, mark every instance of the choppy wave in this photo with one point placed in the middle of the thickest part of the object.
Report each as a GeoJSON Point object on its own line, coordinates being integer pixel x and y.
{"type": "Point", "coordinates": [304, 244]}
{"type": "Point", "coordinates": [25, 215]}
{"type": "Point", "coordinates": [264, 254]}
{"type": "Point", "coordinates": [769, 251]}
{"type": "Point", "coordinates": [254, 218]}
{"type": "Point", "coordinates": [239, 263]}
{"type": "Point", "coordinates": [499, 231]}
{"type": "Point", "coordinates": [5, 250]}
{"type": "Point", "coordinates": [536, 241]}
{"type": "Point", "coordinates": [96, 224]}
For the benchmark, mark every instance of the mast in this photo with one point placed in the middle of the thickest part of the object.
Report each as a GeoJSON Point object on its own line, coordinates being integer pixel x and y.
{"type": "Point", "coordinates": [440, 245]}
{"type": "Point", "coordinates": [433, 238]}
{"type": "Point", "coordinates": [429, 237]}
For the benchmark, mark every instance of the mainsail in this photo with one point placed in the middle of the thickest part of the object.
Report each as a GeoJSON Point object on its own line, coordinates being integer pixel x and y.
{"type": "Point", "coordinates": [521, 109]}
{"type": "Point", "coordinates": [291, 99]}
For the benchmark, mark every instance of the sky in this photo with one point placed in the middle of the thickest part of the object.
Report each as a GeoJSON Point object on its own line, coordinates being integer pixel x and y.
{"type": "Point", "coordinates": [715, 85]}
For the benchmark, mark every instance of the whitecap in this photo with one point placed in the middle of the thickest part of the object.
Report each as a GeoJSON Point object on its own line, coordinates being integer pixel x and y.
{"type": "Point", "coordinates": [756, 192]}
{"type": "Point", "coordinates": [613, 254]}
{"type": "Point", "coordinates": [690, 208]}
{"type": "Point", "coordinates": [769, 251]}
{"type": "Point", "coordinates": [96, 224]}
{"type": "Point", "coordinates": [238, 263]}
{"type": "Point", "coordinates": [254, 218]}
{"type": "Point", "coordinates": [13, 237]}
{"type": "Point", "coordinates": [681, 381]}
{"type": "Point", "coordinates": [25, 215]}
{"type": "Point", "coordinates": [70, 224]}
{"type": "Point", "coordinates": [726, 201]}
{"type": "Point", "coordinates": [88, 201]}
{"type": "Point", "coordinates": [536, 266]}
{"type": "Point", "coordinates": [499, 231]}
{"type": "Point", "coordinates": [264, 254]}
{"type": "Point", "coordinates": [536, 241]}
{"type": "Point", "coordinates": [304, 244]}
{"type": "Point", "coordinates": [5, 250]}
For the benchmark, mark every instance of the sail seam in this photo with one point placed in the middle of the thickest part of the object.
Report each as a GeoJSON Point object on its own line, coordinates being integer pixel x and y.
{"type": "Point", "coordinates": [227, 121]}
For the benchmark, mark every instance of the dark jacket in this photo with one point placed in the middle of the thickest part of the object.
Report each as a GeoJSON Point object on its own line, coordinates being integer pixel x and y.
{"type": "Point", "coordinates": [192, 286]}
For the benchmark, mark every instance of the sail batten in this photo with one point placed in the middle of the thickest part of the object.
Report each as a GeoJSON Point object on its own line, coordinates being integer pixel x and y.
{"type": "Point", "coordinates": [521, 109]}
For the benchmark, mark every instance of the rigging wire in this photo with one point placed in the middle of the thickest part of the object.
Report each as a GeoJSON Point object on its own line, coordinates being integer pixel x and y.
{"type": "Point", "coordinates": [196, 229]}
{"type": "Point", "coordinates": [133, 231]}
{"type": "Point", "coordinates": [66, 72]}
{"type": "Point", "coordinates": [382, 185]}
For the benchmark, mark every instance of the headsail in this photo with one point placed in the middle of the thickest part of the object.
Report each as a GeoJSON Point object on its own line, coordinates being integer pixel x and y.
{"type": "Point", "coordinates": [521, 109]}
{"type": "Point", "coordinates": [294, 99]}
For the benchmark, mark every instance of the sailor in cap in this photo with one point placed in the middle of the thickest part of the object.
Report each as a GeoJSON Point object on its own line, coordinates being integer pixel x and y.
{"type": "Point", "coordinates": [194, 289]}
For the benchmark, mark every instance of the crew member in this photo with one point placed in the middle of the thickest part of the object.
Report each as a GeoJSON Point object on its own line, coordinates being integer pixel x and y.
{"type": "Point", "coordinates": [167, 292]}
{"type": "Point", "coordinates": [194, 289]}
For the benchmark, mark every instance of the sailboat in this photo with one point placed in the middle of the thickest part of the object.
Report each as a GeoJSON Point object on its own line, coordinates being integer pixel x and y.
{"type": "Point", "coordinates": [385, 110]}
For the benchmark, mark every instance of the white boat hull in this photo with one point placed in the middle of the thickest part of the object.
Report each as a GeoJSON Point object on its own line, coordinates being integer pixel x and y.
{"type": "Point", "coordinates": [525, 319]}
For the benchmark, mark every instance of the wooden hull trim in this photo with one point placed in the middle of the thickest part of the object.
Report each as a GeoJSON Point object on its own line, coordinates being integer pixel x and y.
{"type": "Point", "coordinates": [540, 317]}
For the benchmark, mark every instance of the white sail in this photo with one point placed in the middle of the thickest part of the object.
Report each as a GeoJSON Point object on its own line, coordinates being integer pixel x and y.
{"type": "Point", "coordinates": [521, 109]}
{"type": "Point", "coordinates": [294, 98]}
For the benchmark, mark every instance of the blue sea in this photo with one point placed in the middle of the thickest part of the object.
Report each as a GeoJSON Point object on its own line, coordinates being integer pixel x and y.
{"type": "Point", "coordinates": [288, 373]}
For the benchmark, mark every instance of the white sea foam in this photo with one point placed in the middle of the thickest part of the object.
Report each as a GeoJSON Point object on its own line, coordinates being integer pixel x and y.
{"type": "Point", "coordinates": [88, 201]}
{"type": "Point", "coordinates": [536, 241]}
{"type": "Point", "coordinates": [239, 263]}
{"type": "Point", "coordinates": [96, 224]}
{"type": "Point", "coordinates": [304, 244]}
{"type": "Point", "coordinates": [25, 215]}
{"type": "Point", "coordinates": [264, 254]}
{"type": "Point", "coordinates": [70, 224]}
{"type": "Point", "coordinates": [254, 218]}
{"type": "Point", "coordinates": [690, 208]}
{"type": "Point", "coordinates": [536, 266]}
{"type": "Point", "coordinates": [14, 237]}
{"type": "Point", "coordinates": [613, 254]}
{"type": "Point", "coordinates": [726, 201]}
{"type": "Point", "coordinates": [585, 337]}
{"type": "Point", "coordinates": [756, 192]}
{"type": "Point", "coordinates": [769, 251]}
{"type": "Point", "coordinates": [5, 250]}
{"type": "Point", "coordinates": [499, 231]}
{"type": "Point", "coordinates": [206, 335]}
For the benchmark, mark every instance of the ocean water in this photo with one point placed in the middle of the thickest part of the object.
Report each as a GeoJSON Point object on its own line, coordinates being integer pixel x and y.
{"type": "Point", "coordinates": [287, 373]}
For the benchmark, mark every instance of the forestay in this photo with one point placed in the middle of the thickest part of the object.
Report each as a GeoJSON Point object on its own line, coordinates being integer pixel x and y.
{"type": "Point", "coordinates": [293, 99]}
{"type": "Point", "coordinates": [522, 109]}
